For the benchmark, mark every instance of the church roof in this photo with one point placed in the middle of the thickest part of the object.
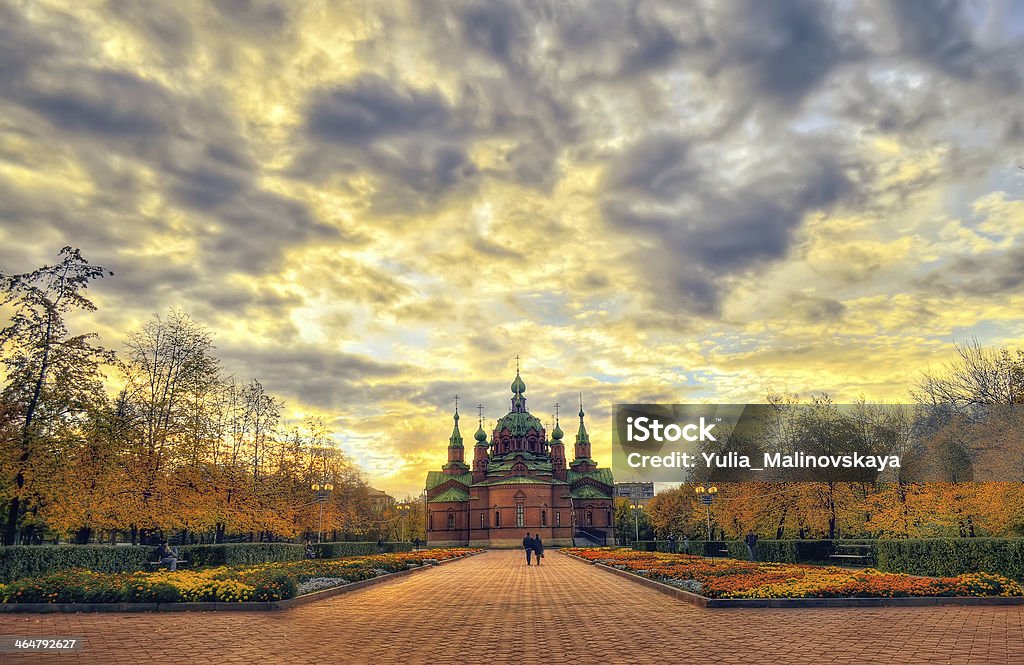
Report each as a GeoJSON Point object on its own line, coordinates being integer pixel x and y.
{"type": "Point", "coordinates": [451, 494]}
{"type": "Point", "coordinates": [519, 480]}
{"type": "Point", "coordinates": [455, 440]}
{"type": "Point", "coordinates": [603, 476]}
{"type": "Point", "coordinates": [588, 492]}
{"type": "Point", "coordinates": [519, 423]}
{"type": "Point", "coordinates": [435, 478]}
{"type": "Point", "coordinates": [530, 460]}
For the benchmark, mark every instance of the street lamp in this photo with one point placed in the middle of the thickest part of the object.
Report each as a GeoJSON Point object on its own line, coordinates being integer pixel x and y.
{"type": "Point", "coordinates": [706, 495]}
{"type": "Point", "coordinates": [637, 507]}
{"type": "Point", "coordinates": [572, 518]}
{"type": "Point", "coordinates": [469, 522]}
{"type": "Point", "coordinates": [403, 508]}
{"type": "Point", "coordinates": [322, 493]}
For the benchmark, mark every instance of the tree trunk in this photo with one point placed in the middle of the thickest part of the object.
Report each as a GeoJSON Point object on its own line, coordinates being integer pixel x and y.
{"type": "Point", "coordinates": [13, 513]}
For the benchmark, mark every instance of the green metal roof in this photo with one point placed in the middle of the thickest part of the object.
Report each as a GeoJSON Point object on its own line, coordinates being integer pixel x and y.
{"type": "Point", "coordinates": [603, 476]}
{"type": "Point", "coordinates": [455, 440]}
{"type": "Point", "coordinates": [451, 494]}
{"type": "Point", "coordinates": [588, 492]}
{"type": "Point", "coordinates": [532, 464]}
{"type": "Point", "coordinates": [519, 423]}
{"type": "Point", "coordinates": [519, 480]}
{"type": "Point", "coordinates": [435, 478]}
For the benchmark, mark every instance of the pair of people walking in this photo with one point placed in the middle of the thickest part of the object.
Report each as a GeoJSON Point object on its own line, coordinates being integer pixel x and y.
{"type": "Point", "coordinates": [533, 546]}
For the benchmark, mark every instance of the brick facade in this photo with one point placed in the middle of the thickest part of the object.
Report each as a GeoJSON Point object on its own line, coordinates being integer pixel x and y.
{"type": "Point", "coordinates": [519, 482]}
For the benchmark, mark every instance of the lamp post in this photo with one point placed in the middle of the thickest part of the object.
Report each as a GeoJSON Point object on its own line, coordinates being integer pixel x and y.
{"type": "Point", "coordinates": [572, 518]}
{"type": "Point", "coordinates": [707, 495]}
{"type": "Point", "coordinates": [637, 507]}
{"type": "Point", "coordinates": [469, 522]}
{"type": "Point", "coordinates": [403, 509]}
{"type": "Point", "coordinates": [426, 519]}
{"type": "Point", "coordinates": [322, 493]}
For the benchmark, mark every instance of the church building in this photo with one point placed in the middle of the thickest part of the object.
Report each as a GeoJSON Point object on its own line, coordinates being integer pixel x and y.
{"type": "Point", "coordinates": [519, 482]}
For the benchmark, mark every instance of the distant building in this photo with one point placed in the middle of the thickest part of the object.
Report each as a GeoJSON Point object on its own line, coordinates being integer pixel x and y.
{"type": "Point", "coordinates": [379, 499]}
{"type": "Point", "coordinates": [519, 482]}
{"type": "Point", "coordinates": [641, 492]}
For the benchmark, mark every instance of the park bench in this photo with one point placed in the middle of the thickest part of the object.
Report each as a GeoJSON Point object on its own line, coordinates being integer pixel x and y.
{"type": "Point", "coordinates": [152, 565]}
{"type": "Point", "coordinates": [852, 554]}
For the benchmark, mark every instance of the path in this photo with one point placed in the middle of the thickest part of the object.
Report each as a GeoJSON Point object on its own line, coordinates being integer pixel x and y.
{"type": "Point", "coordinates": [492, 609]}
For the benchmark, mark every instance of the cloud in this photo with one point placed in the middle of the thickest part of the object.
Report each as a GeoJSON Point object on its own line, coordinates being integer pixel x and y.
{"type": "Point", "coordinates": [414, 140]}
{"type": "Point", "coordinates": [695, 230]}
{"type": "Point", "coordinates": [376, 205]}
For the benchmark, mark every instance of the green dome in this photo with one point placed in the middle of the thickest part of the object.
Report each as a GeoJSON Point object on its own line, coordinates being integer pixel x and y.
{"type": "Point", "coordinates": [557, 434]}
{"type": "Point", "coordinates": [518, 387]}
{"type": "Point", "coordinates": [481, 435]}
{"type": "Point", "coordinates": [519, 423]}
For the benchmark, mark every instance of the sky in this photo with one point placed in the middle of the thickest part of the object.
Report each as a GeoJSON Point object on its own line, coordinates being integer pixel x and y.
{"type": "Point", "coordinates": [377, 205]}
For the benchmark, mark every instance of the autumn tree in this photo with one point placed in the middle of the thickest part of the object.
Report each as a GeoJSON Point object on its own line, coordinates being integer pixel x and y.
{"type": "Point", "coordinates": [167, 366]}
{"type": "Point", "coordinates": [52, 375]}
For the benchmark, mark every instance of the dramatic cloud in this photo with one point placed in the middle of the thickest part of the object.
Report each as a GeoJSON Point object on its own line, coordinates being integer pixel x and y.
{"type": "Point", "coordinates": [375, 206]}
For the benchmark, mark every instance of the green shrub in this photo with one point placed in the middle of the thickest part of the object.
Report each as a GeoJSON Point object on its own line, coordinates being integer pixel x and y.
{"type": "Point", "coordinates": [152, 592]}
{"type": "Point", "coordinates": [21, 561]}
{"type": "Point", "coordinates": [274, 585]}
{"type": "Point", "coordinates": [240, 553]}
{"type": "Point", "coordinates": [948, 557]}
{"type": "Point", "coordinates": [340, 549]}
{"type": "Point", "coordinates": [27, 591]}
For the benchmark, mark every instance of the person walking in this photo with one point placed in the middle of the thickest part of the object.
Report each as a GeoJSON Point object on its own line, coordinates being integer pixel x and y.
{"type": "Point", "coordinates": [751, 541]}
{"type": "Point", "coordinates": [528, 546]}
{"type": "Point", "coordinates": [538, 548]}
{"type": "Point", "coordinates": [672, 543]}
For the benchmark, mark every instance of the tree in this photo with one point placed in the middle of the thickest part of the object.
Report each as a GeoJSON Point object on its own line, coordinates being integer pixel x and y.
{"type": "Point", "coordinates": [51, 373]}
{"type": "Point", "coordinates": [978, 375]}
{"type": "Point", "coordinates": [167, 367]}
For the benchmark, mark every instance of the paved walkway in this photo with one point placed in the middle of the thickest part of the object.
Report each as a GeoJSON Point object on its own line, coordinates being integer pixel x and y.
{"type": "Point", "coordinates": [492, 609]}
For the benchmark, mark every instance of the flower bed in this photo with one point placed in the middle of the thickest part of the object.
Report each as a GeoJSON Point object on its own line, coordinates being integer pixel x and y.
{"type": "Point", "coordinates": [249, 583]}
{"type": "Point", "coordinates": [730, 578]}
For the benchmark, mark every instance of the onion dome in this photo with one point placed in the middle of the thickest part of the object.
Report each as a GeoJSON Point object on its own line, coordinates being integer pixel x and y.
{"type": "Point", "coordinates": [480, 436]}
{"type": "Point", "coordinates": [518, 386]}
{"type": "Point", "coordinates": [557, 434]}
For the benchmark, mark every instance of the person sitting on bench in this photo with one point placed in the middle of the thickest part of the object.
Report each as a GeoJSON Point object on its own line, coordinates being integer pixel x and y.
{"type": "Point", "coordinates": [167, 556]}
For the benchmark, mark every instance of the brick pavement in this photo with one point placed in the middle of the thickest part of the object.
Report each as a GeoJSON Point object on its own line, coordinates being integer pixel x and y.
{"type": "Point", "coordinates": [492, 609]}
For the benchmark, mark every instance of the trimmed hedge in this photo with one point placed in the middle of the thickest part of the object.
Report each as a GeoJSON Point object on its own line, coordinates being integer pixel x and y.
{"type": "Point", "coordinates": [339, 549]}
{"type": "Point", "coordinates": [239, 553]}
{"type": "Point", "coordinates": [934, 557]}
{"type": "Point", "coordinates": [947, 557]}
{"type": "Point", "coordinates": [21, 561]}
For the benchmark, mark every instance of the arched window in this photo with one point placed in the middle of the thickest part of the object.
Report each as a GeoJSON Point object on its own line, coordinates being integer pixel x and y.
{"type": "Point", "coordinates": [451, 521]}
{"type": "Point", "coordinates": [520, 516]}
{"type": "Point", "coordinates": [590, 518]}
{"type": "Point", "coordinates": [543, 518]}
{"type": "Point", "coordinates": [497, 519]}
